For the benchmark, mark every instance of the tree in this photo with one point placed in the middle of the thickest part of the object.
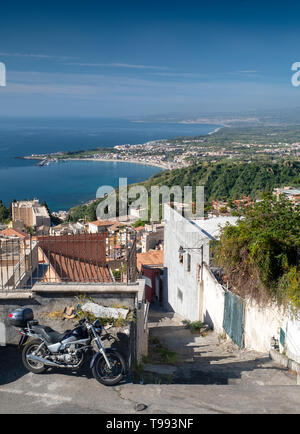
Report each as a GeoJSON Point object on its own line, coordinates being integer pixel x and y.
{"type": "Point", "coordinates": [4, 213]}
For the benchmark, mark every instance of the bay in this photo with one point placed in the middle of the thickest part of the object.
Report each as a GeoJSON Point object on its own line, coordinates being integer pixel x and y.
{"type": "Point", "coordinates": [66, 184]}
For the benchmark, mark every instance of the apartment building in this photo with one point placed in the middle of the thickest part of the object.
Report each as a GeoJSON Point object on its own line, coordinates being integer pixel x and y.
{"type": "Point", "coordinates": [31, 213]}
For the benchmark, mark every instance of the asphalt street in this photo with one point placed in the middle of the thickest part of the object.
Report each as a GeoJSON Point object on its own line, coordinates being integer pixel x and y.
{"type": "Point", "coordinates": [79, 393]}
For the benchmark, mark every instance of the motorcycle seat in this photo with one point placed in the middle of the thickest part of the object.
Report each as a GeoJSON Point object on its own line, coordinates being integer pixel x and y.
{"type": "Point", "coordinates": [50, 335]}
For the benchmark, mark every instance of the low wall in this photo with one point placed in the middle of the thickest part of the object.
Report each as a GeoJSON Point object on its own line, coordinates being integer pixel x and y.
{"type": "Point", "coordinates": [213, 300]}
{"type": "Point", "coordinates": [261, 323]}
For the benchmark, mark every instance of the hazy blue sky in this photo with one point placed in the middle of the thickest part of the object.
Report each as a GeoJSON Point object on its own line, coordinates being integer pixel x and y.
{"type": "Point", "coordinates": [134, 58]}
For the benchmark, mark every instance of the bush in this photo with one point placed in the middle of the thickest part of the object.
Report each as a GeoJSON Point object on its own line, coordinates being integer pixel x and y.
{"type": "Point", "coordinates": [260, 254]}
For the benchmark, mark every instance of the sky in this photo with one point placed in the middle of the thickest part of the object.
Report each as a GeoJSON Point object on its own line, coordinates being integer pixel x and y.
{"type": "Point", "coordinates": [147, 58]}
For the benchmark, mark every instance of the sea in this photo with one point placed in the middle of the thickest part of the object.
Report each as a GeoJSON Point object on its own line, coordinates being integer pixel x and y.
{"type": "Point", "coordinates": [66, 184]}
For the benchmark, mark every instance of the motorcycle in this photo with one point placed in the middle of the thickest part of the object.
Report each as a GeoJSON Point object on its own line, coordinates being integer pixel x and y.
{"type": "Point", "coordinates": [48, 348]}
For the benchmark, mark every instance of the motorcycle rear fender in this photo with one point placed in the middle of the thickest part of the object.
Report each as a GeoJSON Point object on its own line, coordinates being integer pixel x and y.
{"type": "Point", "coordinates": [95, 356]}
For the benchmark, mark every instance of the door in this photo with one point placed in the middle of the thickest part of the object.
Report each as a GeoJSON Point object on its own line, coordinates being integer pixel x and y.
{"type": "Point", "coordinates": [233, 321]}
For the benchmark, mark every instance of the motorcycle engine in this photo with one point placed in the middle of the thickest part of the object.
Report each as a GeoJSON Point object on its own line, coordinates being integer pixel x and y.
{"type": "Point", "coordinates": [71, 356]}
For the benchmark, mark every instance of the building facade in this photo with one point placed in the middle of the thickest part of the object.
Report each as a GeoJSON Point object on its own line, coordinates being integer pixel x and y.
{"type": "Point", "coordinates": [31, 213]}
{"type": "Point", "coordinates": [186, 248]}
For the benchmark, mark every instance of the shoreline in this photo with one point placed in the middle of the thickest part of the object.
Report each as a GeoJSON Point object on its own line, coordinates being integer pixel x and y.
{"type": "Point", "coordinates": [101, 160]}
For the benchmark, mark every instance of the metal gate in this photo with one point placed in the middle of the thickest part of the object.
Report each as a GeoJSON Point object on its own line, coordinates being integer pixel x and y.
{"type": "Point", "coordinates": [233, 321]}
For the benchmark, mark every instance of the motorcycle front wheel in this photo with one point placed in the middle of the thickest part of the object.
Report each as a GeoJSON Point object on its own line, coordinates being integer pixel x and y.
{"type": "Point", "coordinates": [106, 376]}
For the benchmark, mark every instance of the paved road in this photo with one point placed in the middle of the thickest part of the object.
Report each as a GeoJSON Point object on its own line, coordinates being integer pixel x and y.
{"type": "Point", "coordinates": [65, 392]}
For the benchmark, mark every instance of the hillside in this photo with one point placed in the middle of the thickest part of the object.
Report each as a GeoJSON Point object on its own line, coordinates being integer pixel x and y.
{"type": "Point", "coordinates": [221, 181]}
{"type": "Point", "coordinates": [229, 180]}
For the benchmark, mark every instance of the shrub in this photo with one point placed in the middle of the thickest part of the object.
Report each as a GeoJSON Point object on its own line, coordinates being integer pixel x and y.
{"type": "Point", "coordinates": [259, 255]}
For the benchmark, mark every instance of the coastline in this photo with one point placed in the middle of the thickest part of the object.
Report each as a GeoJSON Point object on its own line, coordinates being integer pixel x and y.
{"type": "Point", "coordinates": [216, 130]}
{"type": "Point", "coordinates": [102, 160]}
{"type": "Point", "coordinates": [51, 158]}
{"type": "Point", "coordinates": [163, 166]}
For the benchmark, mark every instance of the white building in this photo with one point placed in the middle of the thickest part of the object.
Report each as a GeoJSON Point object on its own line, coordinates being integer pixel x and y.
{"type": "Point", "coordinates": [99, 226]}
{"type": "Point", "coordinates": [137, 212]}
{"type": "Point", "coordinates": [186, 247]}
{"type": "Point", "coordinates": [152, 237]}
{"type": "Point", "coordinates": [68, 228]}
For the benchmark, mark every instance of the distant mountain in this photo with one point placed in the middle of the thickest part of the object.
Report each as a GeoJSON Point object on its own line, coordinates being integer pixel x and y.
{"type": "Point", "coordinates": [287, 116]}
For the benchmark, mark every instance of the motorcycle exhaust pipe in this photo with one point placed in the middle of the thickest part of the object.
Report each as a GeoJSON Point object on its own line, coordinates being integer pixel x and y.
{"type": "Point", "coordinates": [49, 363]}
{"type": "Point", "coordinates": [44, 361]}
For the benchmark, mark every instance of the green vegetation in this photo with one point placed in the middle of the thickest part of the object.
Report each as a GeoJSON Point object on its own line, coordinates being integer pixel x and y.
{"type": "Point", "coordinates": [88, 153]}
{"type": "Point", "coordinates": [222, 181]}
{"type": "Point", "coordinates": [139, 223]}
{"type": "Point", "coordinates": [82, 212]}
{"type": "Point", "coordinates": [260, 255]}
{"type": "Point", "coordinates": [157, 353]}
{"type": "Point", "coordinates": [264, 135]}
{"type": "Point", "coordinates": [193, 326]}
{"type": "Point", "coordinates": [5, 213]}
{"type": "Point", "coordinates": [228, 180]}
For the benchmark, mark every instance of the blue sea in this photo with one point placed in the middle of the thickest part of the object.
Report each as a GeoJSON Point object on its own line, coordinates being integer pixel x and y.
{"type": "Point", "coordinates": [66, 184]}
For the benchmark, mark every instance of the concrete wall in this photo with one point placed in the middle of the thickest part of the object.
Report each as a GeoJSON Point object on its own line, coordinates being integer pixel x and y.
{"type": "Point", "coordinates": [261, 324]}
{"type": "Point", "coordinates": [292, 340]}
{"type": "Point", "coordinates": [213, 300]}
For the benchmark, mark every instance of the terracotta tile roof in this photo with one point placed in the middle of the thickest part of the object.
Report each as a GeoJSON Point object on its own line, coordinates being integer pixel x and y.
{"type": "Point", "coordinates": [76, 258]}
{"type": "Point", "coordinates": [9, 232]}
{"type": "Point", "coordinates": [102, 223]}
{"type": "Point", "coordinates": [153, 257]}
{"type": "Point", "coordinates": [76, 270]}
{"type": "Point", "coordinates": [139, 228]}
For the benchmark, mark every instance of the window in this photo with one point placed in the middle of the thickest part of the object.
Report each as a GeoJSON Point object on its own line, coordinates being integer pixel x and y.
{"type": "Point", "coordinates": [188, 262]}
{"type": "Point", "coordinates": [180, 255]}
{"type": "Point", "coordinates": [179, 294]}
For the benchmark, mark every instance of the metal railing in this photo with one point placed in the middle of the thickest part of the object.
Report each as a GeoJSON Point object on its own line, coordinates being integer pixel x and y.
{"type": "Point", "coordinates": [84, 258]}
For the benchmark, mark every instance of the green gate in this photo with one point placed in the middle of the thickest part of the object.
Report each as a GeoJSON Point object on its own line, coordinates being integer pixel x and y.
{"type": "Point", "coordinates": [233, 321]}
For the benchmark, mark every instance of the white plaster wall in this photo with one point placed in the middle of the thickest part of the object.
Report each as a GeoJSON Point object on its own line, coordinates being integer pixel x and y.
{"type": "Point", "coordinates": [213, 300]}
{"type": "Point", "coordinates": [292, 339]}
{"type": "Point", "coordinates": [261, 324]}
{"type": "Point", "coordinates": [179, 232]}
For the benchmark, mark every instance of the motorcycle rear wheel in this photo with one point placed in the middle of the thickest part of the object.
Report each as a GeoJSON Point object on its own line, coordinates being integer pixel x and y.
{"type": "Point", "coordinates": [106, 376]}
{"type": "Point", "coordinates": [30, 365]}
